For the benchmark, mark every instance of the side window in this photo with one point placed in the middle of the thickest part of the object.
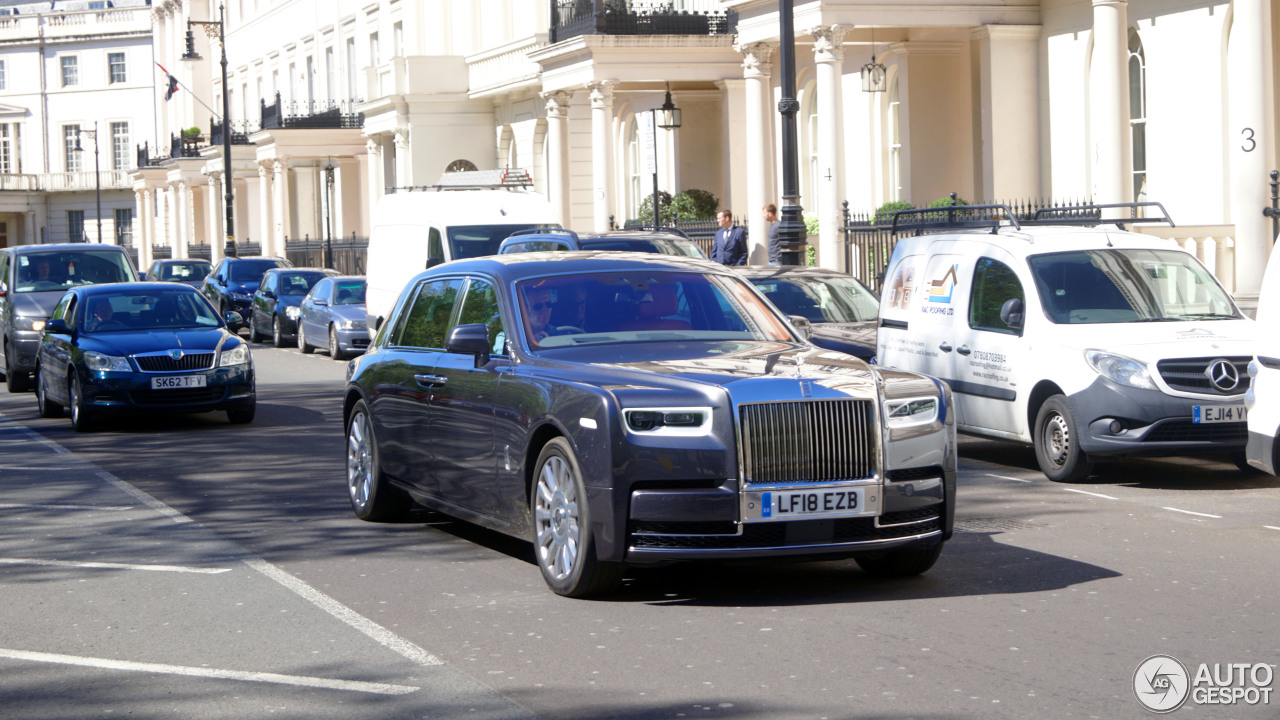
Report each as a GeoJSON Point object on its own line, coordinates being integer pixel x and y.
{"type": "Point", "coordinates": [427, 319]}
{"type": "Point", "coordinates": [60, 312]}
{"type": "Point", "coordinates": [435, 246]}
{"type": "Point", "coordinates": [994, 284]}
{"type": "Point", "coordinates": [480, 305]}
{"type": "Point", "coordinates": [4, 272]}
{"type": "Point", "coordinates": [323, 291]}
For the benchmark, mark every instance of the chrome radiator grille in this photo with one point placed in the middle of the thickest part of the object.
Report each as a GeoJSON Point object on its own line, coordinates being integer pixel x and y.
{"type": "Point", "coordinates": [811, 441]}
{"type": "Point", "coordinates": [165, 363]}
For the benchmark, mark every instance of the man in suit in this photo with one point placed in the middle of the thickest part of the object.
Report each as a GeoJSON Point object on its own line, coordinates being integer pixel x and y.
{"type": "Point", "coordinates": [730, 246]}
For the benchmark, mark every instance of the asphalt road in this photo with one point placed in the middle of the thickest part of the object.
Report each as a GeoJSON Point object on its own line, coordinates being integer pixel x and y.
{"type": "Point", "coordinates": [185, 567]}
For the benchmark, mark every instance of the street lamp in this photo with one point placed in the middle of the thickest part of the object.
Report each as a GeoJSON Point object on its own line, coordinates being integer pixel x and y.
{"type": "Point", "coordinates": [97, 177]}
{"type": "Point", "coordinates": [190, 55]}
{"type": "Point", "coordinates": [666, 117]}
{"type": "Point", "coordinates": [328, 214]}
{"type": "Point", "coordinates": [791, 230]}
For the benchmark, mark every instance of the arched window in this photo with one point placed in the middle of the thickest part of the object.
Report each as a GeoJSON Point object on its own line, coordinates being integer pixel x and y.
{"type": "Point", "coordinates": [1138, 114]}
{"type": "Point", "coordinates": [811, 198]}
{"type": "Point", "coordinates": [895, 143]}
{"type": "Point", "coordinates": [460, 166]}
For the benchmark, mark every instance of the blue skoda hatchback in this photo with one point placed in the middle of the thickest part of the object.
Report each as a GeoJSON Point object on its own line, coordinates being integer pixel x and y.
{"type": "Point", "coordinates": [134, 348]}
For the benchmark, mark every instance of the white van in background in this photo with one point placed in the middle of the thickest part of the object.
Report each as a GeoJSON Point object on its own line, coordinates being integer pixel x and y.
{"type": "Point", "coordinates": [1263, 398]}
{"type": "Point", "coordinates": [468, 214]}
{"type": "Point", "coordinates": [1075, 337]}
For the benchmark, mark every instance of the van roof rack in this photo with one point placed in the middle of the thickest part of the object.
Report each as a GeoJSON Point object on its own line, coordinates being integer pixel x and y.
{"type": "Point", "coordinates": [952, 217]}
{"type": "Point", "coordinates": [510, 178]}
{"type": "Point", "coordinates": [658, 228]}
{"type": "Point", "coordinates": [1091, 215]}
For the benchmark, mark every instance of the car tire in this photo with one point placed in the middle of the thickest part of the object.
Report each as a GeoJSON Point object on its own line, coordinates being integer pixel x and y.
{"type": "Point", "coordinates": [82, 419]}
{"type": "Point", "coordinates": [1241, 461]}
{"type": "Point", "coordinates": [303, 345]}
{"type": "Point", "coordinates": [254, 336]}
{"type": "Point", "coordinates": [562, 539]}
{"type": "Point", "coordinates": [277, 337]}
{"type": "Point", "coordinates": [242, 415]}
{"type": "Point", "coordinates": [1057, 442]}
{"type": "Point", "coordinates": [335, 350]}
{"type": "Point", "coordinates": [373, 497]}
{"type": "Point", "coordinates": [47, 407]}
{"type": "Point", "coordinates": [899, 563]}
{"type": "Point", "coordinates": [15, 380]}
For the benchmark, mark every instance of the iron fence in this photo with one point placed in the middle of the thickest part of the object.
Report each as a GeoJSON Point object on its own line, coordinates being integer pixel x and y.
{"type": "Point", "coordinates": [349, 254]}
{"type": "Point", "coordinates": [326, 114]}
{"type": "Point", "coordinates": [572, 18]}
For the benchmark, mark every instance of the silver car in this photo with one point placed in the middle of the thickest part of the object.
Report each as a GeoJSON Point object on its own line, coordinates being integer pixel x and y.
{"type": "Point", "coordinates": [332, 316]}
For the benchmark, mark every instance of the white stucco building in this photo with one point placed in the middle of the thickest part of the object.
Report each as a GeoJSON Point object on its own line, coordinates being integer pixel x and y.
{"type": "Point", "coordinates": [72, 76]}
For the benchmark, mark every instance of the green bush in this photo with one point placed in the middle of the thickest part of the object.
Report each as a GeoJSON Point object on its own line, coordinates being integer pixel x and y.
{"type": "Point", "coordinates": [946, 202]}
{"type": "Point", "coordinates": [191, 132]}
{"type": "Point", "coordinates": [884, 213]}
{"type": "Point", "coordinates": [689, 205]}
{"type": "Point", "coordinates": [811, 256]}
{"type": "Point", "coordinates": [811, 224]}
{"type": "Point", "coordinates": [645, 213]}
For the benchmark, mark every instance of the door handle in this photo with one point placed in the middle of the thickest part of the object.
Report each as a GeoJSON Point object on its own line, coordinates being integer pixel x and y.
{"type": "Point", "coordinates": [944, 347]}
{"type": "Point", "coordinates": [963, 350]}
{"type": "Point", "coordinates": [429, 380]}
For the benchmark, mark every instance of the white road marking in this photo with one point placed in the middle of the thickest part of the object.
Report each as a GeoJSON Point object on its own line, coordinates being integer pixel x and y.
{"type": "Point", "coordinates": [301, 680]}
{"type": "Point", "coordinates": [34, 506]}
{"type": "Point", "coordinates": [1086, 492]}
{"type": "Point", "coordinates": [1006, 477]}
{"type": "Point", "coordinates": [113, 566]}
{"type": "Point", "coordinates": [1271, 527]}
{"type": "Point", "coordinates": [1189, 512]}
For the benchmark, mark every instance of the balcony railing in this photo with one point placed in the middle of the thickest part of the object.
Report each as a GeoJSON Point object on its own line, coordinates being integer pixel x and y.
{"type": "Point", "coordinates": [571, 18]}
{"type": "Point", "coordinates": [239, 132]}
{"type": "Point", "coordinates": [325, 114]}
{"type": "Point", "coordinates": [66, 181]}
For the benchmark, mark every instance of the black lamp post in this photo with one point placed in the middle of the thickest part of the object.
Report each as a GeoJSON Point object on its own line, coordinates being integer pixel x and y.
{"type": "Point", "coordinates": [666, 117]}
{"type": "Point", "coordinates": [191, 55]}
{"type": "Point", "coordinates": [791, 230]}
{"type": "Point", "coordinates": [328, 214]}
{"type": "Point", "coordinates": [97, 176]}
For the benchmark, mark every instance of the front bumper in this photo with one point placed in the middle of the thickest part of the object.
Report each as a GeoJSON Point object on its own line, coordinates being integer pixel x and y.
{"type": "Point", "coordinates": [353, 341]}
{"type": "Point", "coordinates": [25, 344]}
{"type": "Point", "coordinates": [108, 393]}
{"type": "Point", "coordinates": [1153, 423]}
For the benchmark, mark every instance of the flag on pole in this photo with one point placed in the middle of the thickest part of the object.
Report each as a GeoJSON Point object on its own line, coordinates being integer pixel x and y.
{"type": "Point", "coordinates": [171, 82]}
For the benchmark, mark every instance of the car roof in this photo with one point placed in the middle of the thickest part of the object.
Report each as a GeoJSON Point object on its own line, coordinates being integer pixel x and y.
{"type": "Point", "coordinates": [63, 247]}
{"type": "Point", "coordinates": [761, 271]}
{"type": "Point", "coordinates": [130, 287]}
{"type": "Point", "coordinates": [300, 270]}
{"type": "Point", "coordinates": [170, 261]}
{"type": "Point", "coordinates": [517, 266]}
{"type": "Point", "coordinates": [253, 257]}
{"type": "Point", "coordinates": [1040, 239]}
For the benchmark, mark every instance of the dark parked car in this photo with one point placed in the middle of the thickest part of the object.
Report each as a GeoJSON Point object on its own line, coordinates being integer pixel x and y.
{"type": "Point", "coordinates": [191, 272]}
{"type": "Point", "coordinates": [623, 409]}
{"type": "Point", "coordinates": [32, 279]}
{"type": "Point", "coordinates": [841, 311]}
{"type": "Point", "coordinates": [664, 241]}
{"type": "Point", "coordinates": [333, 313]}
{"type": "Point", "coordinates": [233, 282]}
{"type": "Point", "coordinates": [136, 348]}
{"type": "Point", "coordinates": [276, 303]}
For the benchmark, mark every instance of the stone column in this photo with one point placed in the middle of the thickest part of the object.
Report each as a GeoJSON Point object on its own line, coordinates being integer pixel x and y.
{"type": "Point", "coordinates": [404, 160]}
{"type": "Point", "coordinates": [828, 58]}
{"type": "Point", "coordinates": [346, 200]}
{"type": "Point", "coordinates": [1008, 58]}
{"type": "Point", "coordinates": [1251, 143]}
{"type": "Point", "coordinates": [756, 70]}
{"type": "Point", "coordinates": [1109, 104]}
{"type": "Point", "coordinates": [146, 227]}
{"type": "Point", "coordinates": [557, 152]}
{"type": "Point", "coordinates": [29, 229]}
{"type": "Point", "coordinates": [282, 192]}
{"type": "Point", "coordinates": [377, 173]}
{"type": "Point", "coordinates": [265, 226]}
{"type": "Point", "coordinates": [601, 95]}
{"type": "Point", "coordinates": [212, 218]}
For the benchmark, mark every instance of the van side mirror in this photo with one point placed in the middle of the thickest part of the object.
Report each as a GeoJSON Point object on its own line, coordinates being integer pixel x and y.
{"type": "Point", "coordinates": [434, 261]}
{"type": "Point", "coordinates": [471, 339]}
{"type": "Point", "coordinates": [1011, 313]}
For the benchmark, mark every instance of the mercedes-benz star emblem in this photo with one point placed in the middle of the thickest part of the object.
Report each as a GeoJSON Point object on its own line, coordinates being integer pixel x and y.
{"type": "Point", "coordinates": [1223, 375]}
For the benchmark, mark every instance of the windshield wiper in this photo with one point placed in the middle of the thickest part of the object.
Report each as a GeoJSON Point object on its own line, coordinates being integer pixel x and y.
{"type": "Point", "coordinates": [1208, 316]}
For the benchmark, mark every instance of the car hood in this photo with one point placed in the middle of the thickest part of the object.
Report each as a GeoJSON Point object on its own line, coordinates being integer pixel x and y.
{"type": "Point", "coordinates": [121, 343]}
{"type": "Point", "coordinates": [348, 312]}
{"type": "Point", "coordinates": [36, 304]}
{"type": "Point", "coordinates": [246, 288]}
{"type": "Point", "coordinates": [1154, 341]}
{"type": "Point", "coordinates": [284, 301]}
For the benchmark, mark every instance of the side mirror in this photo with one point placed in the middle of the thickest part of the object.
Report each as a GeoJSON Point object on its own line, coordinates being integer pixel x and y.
{"type": "Point", "coordinates": [434, 261]}
{"type": "Point", "coordinates": [801, 324]}
{"type": "Point", "coordinates": [268, 294]}
{"type": "Point", "coordinates": [472, 339]}
{"type": "Point", "coordinates": [232, 318]}
{"type": "Point", "coordinates": [58, 326]}
{"type": "Point", "coordinates": [1011, 313]}
{"type": "Point", "coordinates": [319, 301]}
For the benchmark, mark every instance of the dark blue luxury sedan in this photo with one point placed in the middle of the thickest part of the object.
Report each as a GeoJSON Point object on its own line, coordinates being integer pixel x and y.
{"type": "Point", "coordinates": [623, 409]}
{"type": "Point", "coordinates": [133, 348]}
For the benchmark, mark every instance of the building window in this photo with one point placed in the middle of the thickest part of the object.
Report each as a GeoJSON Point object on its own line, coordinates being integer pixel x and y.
{"type": "Point", "coordinates": [397, 38]}
{"type": "Point", "coordinates": [293, 81]}
{"type": "Point", "coordinates": [3, 79]}
{"type": "Point", "coordinates": [351, 69]}
{"type": "Point", "coordinates": [10, 161]}
{"type": "Point", "coordinates": [895, 144]}
{"type": "Point", "coordinates": [811, 198]}
{"type": "Point", "coordinates": [120, 146]}
{"type": "Point", "coordinates": [311, 79]}
{"type": "Point", "coordinates": [115, 65]}
{"type": "Point", "coordinates": [373, 49]}
{"type": "Point", "coordinates": [124, 226]}
{"type": "Point", "coordinates": [70, 70]}
{"type": "Point", "coordinates": [1138, 114]}
{"type": "Point", "coordinates": [70, 139]}
{"type": "Point", "coordinates": [75, 226]}
{"type": "Point", "coordinates": [330, 74]}
{"type": "Point", "coordinates": [461, 166]}
{"type": "Point", "coordinates": [634, 191]}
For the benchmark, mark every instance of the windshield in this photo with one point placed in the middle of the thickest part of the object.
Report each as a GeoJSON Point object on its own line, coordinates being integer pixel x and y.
{"type": "Point", "coordinates": [643, 306]}
{"type": "Point", "coordinates": [468, 241]}
{"type": "Point", "coordinates": [147, 310]}
{"type": "Point", "coordinates": [826, 299]}
{"type": "Point", "coordinates": [44, 272]}
{"type": "Point", "coordinates": [662, 246]}
{"type": "Point", "coordinates": [251, 271]}
{"type": "Point", "coordinates": [1114, 285]}
{"type": "Point", "coordinates": [349, 292]}
{"type": "Point", "coordinates": [298, 284]}
{"type": "Point", "coordinates": [184, 271]}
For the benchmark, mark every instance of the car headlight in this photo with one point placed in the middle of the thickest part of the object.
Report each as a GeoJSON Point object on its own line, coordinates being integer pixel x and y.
{"type": "Point", "coordinates": [910, 412]}
{"type": "Point", "coordinates": [100, 362]}
{"type": "Point", "coordinates": [354, 325]}
{"type": "Point", "coordinates": [1120, 369]}
{"type": "Point", "coordinates": [28, 323]}
{"type": "Point", "coordinates": [238, 355]}
{"type": "Point", "coordinates": [292, 312]}
{"type": "Point", "coordinates": [687, 421]}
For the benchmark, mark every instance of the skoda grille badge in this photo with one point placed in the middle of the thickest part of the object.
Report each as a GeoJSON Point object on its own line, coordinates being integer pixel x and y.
{"type": "Point", "coordinates": [1223, 375]}
{"type": "Point", "coordinates": [175, 354]}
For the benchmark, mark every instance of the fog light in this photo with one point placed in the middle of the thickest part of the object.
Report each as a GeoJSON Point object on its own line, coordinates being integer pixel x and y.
{"type": "Point", "coordinates": [1115, 427]}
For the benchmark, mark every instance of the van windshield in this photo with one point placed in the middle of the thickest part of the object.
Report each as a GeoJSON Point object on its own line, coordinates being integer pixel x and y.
{"type": "Point", "coordinates": [1115, 285]}
{"type": "Point", "coordinates": [45, 272]}
{"type": "Point", "coordinates": [468, 241]}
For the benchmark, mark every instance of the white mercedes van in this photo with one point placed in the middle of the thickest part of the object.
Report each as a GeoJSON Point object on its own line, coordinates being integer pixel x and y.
{"type": "Point", "coordinates": [1263, 397]}
{"type": "Point", "coordinates": [466, 215]}
{"type": "Point", "coordinates": [1081, 339]}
